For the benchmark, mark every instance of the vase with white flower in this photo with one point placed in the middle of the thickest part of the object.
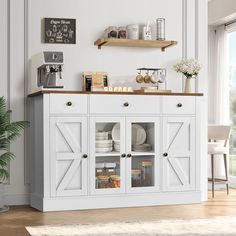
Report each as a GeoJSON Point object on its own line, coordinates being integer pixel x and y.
{"type": "Point", "coordinates": [190, 68]}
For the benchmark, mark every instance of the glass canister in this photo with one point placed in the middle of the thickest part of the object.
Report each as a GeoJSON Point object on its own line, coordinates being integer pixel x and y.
{"type": "Point", "coordinates": [136, 178]}
{"type": "Point", "coordinates": [109, 169]}
{"type": "Point", "coordinates": [122, 32]}
{"type": "Point", "coordinates": [146, 172]}
{"type": "Point", "coordinates": [99, 169]}
{"type": "Point", "coordinates": [161, 29]}
{"type": "Point", "coordinates": [103, 181]}
{"type": "Point", "coordinates": [115, 180]}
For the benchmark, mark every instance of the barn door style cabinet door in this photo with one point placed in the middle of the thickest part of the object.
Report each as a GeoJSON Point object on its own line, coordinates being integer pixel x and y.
{"type": "Point", "coordinates": [178, 153]}
{"type": "Point", "coordinates": [68, 154]}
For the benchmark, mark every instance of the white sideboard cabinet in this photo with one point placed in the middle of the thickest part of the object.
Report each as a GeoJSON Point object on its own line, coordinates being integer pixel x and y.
{"type": "Point", "coordinates": [153, 155]}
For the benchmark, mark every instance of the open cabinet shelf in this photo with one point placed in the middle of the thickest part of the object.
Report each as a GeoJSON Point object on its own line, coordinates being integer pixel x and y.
{"type": "Point", "coordinates": [163, 44]}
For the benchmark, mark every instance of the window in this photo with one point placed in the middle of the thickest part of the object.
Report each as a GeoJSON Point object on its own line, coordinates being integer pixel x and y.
{"type": "Point", "coordinates": [232, 90]}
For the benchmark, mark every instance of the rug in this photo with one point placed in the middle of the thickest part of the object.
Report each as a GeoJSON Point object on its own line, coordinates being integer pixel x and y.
{"type": "Point", "coordinates": [221, 226]}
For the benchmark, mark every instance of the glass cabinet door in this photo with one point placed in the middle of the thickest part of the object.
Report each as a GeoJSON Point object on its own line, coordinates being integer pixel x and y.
{"type": "Point", "coordinates": [107, 159]}
{"type": "Point", "coordinates": [142, 146]}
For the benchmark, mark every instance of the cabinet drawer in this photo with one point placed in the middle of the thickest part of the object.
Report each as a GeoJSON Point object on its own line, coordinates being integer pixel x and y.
{"type": "Point", "coordinates": [128, 104]}
{"type": "Point", "coordinates": [178, 105]}
{"type": "Point", "coordinates": [68, 103]}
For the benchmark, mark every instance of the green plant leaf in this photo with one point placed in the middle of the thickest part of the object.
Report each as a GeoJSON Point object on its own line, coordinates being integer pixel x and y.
{"type": "Point", "coordinates": [4, 175]}
{"type": "Point", "coordinates": [9, 131]}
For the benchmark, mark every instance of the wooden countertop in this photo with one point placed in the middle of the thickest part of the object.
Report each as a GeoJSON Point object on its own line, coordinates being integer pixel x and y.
{"type": "Point", "coordinates": [111, 93]}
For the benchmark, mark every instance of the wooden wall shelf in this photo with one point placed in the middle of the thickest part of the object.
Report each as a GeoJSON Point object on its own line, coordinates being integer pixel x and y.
{"type": "Point", "coordinates": [134, 43]}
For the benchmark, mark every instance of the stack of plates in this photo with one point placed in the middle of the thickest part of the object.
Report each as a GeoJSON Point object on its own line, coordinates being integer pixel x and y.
{"type": "Point", "coordinates": [103, 146]}
{"type": "Point", "coordinates": [117, 145]}
{"type": "Point", "coordinates": [145, 147]}
{"type": "Point", "coordinates": [101, 135]}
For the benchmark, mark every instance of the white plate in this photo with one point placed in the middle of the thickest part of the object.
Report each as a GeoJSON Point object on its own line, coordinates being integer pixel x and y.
{"type": "Point", "coordinates": [103, 145]}
{"type": "Point", "coordinates": [104, 141]}
{"type": "Point", "coordinates": [138, 134]}
{"type": "Point", "coordinates": [115, 133]}
{"type": "Point", "coordinates": [103, 150]}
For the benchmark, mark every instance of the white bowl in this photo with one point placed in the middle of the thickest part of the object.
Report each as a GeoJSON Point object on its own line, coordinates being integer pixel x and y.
{"type": "Point", "coordinates": [108, 141]}
{"type": "Point", "coordinates": [102, 138]}
{"type": "Point", "coordinates": [103, 150]}
{"type": "Point", "coordinates": [103, 145]}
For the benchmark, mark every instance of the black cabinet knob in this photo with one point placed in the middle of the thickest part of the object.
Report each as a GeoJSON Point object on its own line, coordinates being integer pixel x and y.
{"type": "Point", "coordinates": [123, 155]}
{"type": "Point", "coordinates": [69, 104]}
{"type": "Point", "coordinates": [179, 105]}
{"type": "Point", "coordinates": [165, 154]}
{"type": "Point", "coordinates": [85, 156]}
{"type": "Point", "coordinates": [126, 104]}
{"type": "Point", "coordinates": [129, 155]}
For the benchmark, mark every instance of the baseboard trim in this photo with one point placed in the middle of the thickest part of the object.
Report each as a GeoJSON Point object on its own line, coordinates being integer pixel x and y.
{"type": "Point", "coordinates": [16, 199]}
{"type": "Point", "coordinates": [102, 202]}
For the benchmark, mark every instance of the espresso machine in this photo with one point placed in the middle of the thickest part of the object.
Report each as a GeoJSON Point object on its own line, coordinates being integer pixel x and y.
{"type": "Point", "coordinates": [46, 71]}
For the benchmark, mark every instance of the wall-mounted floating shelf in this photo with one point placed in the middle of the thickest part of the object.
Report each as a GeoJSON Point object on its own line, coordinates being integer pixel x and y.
{"type": "Point", "coordinates": [134, 43]}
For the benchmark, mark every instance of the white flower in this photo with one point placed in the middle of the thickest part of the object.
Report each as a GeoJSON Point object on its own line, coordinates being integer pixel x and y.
{"type": "Point", "coordinates": [189, 67]}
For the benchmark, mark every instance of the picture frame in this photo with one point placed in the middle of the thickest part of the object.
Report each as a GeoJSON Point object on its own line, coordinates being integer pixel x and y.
{"type": "Point", "coordinates": [59, 30]}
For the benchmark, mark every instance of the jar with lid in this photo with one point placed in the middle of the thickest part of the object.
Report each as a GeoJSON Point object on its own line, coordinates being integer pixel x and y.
{"type": "Point", "coordinates": [146, 172]}
{"type": "Point", "coordinates": [122, 32]}
{"type": "Point", "coordinates": [99, 169]}
{"type": "Point", "coordinates": [104, 182]}
{"type": "Point", "coordinates": [115, 180]}
{"type": "Point", "coordinates": [112, 32]}
{"type": "Point", "coordinates": [136, 178]}
{"type": "Point", "coordinates": [109, 169]}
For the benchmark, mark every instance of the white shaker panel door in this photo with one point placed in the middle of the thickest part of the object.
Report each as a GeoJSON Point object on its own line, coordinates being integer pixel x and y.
{"type": "Point", "coordinates": [68, 153]}
{"type": "Point", "coordinates": [178, 153]}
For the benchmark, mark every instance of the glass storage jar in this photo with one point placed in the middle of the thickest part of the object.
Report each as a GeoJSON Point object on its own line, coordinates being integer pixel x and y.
{"type": "Point", "coordinates": [146, 172]}
{"type": "Point", "coordinates": [136, 178]}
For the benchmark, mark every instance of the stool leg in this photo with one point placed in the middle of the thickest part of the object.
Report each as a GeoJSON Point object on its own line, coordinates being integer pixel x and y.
{"type": "Point", "coordinates": [212, 176]}
{"type": "Point", "coordinates": [226, 173]}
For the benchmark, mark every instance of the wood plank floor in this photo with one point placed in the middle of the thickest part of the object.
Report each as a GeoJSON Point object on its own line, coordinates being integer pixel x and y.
{"type": "Point", "coordinates": [13, 222]}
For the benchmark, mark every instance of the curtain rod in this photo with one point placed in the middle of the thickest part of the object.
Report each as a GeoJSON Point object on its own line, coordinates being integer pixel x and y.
{"type": "Point", "coordinates": [230, 23]}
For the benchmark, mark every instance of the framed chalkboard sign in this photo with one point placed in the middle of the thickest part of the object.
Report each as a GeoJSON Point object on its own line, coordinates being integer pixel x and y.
{"type": "Point", "coordinates": [58, 30]}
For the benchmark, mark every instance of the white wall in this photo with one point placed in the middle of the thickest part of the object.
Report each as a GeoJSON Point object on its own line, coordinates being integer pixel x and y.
{"type": "Point", "coordinates": [221, 11]}
{"type": "Point", "coordinates": [186, 22]}
{"type": "Point", "coordinates": [92, 18]}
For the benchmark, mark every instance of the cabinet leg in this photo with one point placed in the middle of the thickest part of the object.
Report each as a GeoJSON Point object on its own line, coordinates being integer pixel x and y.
{"type": "Point", "coordinates": [212, 176]}
{"type": "Point", "coordinates": [226, 173]}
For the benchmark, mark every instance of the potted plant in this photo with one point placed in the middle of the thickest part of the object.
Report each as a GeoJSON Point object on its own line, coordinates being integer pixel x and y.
{"type": "Point", "coordinates": [9, 131]}
{"type": "Point", "coordinates": [190, 68]}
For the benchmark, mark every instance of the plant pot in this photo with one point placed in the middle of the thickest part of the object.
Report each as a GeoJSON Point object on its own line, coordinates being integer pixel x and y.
{"type": "Point", "coordinates": [187, 87]}
{"type": "Point", "coordinates": [2, 193]}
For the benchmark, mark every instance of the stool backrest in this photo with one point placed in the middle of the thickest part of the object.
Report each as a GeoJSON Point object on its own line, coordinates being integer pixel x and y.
{"type": "Point", "coordinates": [219, 132]}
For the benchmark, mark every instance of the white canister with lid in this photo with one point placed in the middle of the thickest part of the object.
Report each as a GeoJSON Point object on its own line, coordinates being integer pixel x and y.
{"type": "Point", "coordinates": [133, 31]}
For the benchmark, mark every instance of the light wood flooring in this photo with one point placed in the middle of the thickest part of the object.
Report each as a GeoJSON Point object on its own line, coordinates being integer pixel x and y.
{"type": "Point", "coordinates": [13, 222]}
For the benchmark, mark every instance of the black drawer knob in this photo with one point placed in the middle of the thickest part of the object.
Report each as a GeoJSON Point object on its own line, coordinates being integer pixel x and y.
{"type": "Point", "coordinates": [165, 154]}
{"type": "Point", "coordinates": [129, 155]}
{"type": "Point", "coordinates": [179, 105]}
{"type": "Point", "coordinates": [69, 104]}
{"type": "Point", "coordinates": [123, 155]}
{"type": "Point", "coordinates": [126, 104]}
{"type": "Point", "coordinates": [85, 156]}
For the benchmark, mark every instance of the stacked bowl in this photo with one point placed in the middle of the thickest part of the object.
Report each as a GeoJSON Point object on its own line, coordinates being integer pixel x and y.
{"type": "Point", "coordinates": [103, 144]}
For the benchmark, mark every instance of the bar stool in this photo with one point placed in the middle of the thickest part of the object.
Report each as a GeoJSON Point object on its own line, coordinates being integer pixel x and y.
{"type": "Point", "coordinates": [218, 136]}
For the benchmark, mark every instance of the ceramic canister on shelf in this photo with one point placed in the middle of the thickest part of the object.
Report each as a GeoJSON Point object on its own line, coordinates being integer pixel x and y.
{"type": "Point", "coordinates": [133, 31]}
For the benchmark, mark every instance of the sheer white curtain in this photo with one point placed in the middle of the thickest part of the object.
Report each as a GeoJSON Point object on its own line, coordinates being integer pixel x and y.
{"type": "Point", "coordinates": [218, 77]}
{"type": "Point", "coordinates": [218, 86]}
